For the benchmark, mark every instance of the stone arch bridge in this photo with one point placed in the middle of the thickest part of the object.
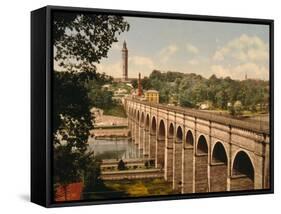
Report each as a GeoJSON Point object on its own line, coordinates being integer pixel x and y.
{"type": "Point", "coordinates": [199, 151]}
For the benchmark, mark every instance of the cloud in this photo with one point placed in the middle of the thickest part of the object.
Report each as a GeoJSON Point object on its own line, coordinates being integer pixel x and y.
{"type": "Point", "coordinates": [141, 60]}
{"type": "Point", "coordinates": [112, 69]}
{"type": "Point", "coordinates": [192, 49]}
{"type": "Point", "coordinates": [245, 55]}
{"type": "Point", "coordinates": [116, 46]}
{"type": "Point", "coordinates": [140, 64]}
{"type": "Point", "coordinates": [220, 71]}
{"type": "Point", "coordinates": [219, 55]}
{"type": "Point", "coordinates": [244, 49]}
{"type": "Point", "coordinates": [167, 52]}
{"type": "Point", "coordinates": [252, 71]}
{"type": "Point", "coordinates": [137, 64]}
{"type": "Point", "coordinates": [193, 62]}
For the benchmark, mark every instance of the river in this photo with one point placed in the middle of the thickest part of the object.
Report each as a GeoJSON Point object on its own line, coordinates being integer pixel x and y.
{"type": "Point", "coordinates": [114, 148]}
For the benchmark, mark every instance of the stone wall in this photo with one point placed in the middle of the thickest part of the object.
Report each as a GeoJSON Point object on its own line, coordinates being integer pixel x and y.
{"type": "Point", "coordinates": [177, 164]}
{"type": "Point", "coordinates": [201, 173]}
{"type": "Point", "coordinates": [218, 176]}
{"type": "Point", "coordinates": [241, 183]}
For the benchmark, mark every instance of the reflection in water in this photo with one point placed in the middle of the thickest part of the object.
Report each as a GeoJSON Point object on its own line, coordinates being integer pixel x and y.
{"type": "Point", "coordinates": [114, 148]}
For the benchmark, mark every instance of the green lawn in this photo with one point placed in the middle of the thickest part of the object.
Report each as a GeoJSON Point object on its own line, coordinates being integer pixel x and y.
{"type": "Point", "coordinates": [130, 188]}
{"type": "Point", "coordinates": [145, 187]}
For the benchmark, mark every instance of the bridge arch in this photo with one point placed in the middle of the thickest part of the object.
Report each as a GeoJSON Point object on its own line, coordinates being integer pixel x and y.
{"type": "Point", "coordinates": [202, 146]}
{"type": "Point", "coordinates": [219, 154]}
{"type": "Point", "coordinates": [160, 152]}
{"type": "Point", "coordinates": [171, 131]}
{"type": "Point", "coordinates": [218, 168]}
{"type": "Point", "coordinates": [189, 139]}
{"type": "Point", "coordinates": [243, 165]}
{"type": "Point", "coordinates": [153, 125]}
{"type": "Point", "coordinates": [152, 141]}
{"type": "Point", "coordinates": [142, 119]}
{"type": "Point", "coordinates": [147, 122]}
{"type": "Point", "coordinates": [201, 165]}
{"type": "Point", "coordinates": [243, 172]}
{"type": "Point", "coordinates": [177, 153]}
{"type": "Point", "coordinates": [179, 135]}
{"type": "Point", "coordinates": [162, 129]}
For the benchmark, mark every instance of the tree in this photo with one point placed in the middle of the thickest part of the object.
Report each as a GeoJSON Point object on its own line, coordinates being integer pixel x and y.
{"type": "Point", "coordinates": [79, 41]}
{"type": "Point", "coordinates": [185, 99]}
{"type": "Point", "coordinates": [236, 108]}
{"type": "Point", "coordinates": [192, 89]}
{"type": "Point", "coordinates": [135, 83]}
{"type": "Point", "coordinates": [71, 124]}
{"type": "Point", "coordinates": [146, 83]}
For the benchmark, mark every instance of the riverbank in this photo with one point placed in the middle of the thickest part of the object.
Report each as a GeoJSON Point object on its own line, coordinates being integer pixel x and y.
{"type": "Point", "coordinates": [107, 120]}
{"type": "Point", "coordinates": [109, 133]}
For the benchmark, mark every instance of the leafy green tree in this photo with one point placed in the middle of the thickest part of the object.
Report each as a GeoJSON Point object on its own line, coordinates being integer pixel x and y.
{"type": "Point", "coordinates": [235, 109]}
{"type": "Point", "coordinates": [146, 83]}
{"type": "Point", "coordinates": [164, 94]}
{"type": "Point", "coordinates": [100, 97]}
{"type": "Point", "coordinates": [189, 90]}
{"type": "Point", "coordinates": [135, 83]}
{"type": "Point", "coordinates": [80, 41]}
{"type": "Point", "coordinates": [185, 100]}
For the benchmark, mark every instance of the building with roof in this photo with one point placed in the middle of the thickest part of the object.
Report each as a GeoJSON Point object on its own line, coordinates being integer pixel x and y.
{"type": "Point", "coordinates": [151, 96]}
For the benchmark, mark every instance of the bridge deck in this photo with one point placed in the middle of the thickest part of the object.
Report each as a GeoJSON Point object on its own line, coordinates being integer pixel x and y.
{"type": "Point", "coordinates": [261, 127]}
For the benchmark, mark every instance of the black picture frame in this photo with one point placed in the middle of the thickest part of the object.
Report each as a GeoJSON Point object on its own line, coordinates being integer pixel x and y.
{"type": "Point", "coordinates": [41, 104]}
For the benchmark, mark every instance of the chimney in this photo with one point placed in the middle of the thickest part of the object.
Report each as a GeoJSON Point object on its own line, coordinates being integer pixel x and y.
{"type": "Point", "coordinates": [139, 86]}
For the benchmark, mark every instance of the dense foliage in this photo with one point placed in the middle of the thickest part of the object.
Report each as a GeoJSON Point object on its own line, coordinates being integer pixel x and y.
{"type": "Point", "coordinates": [80, 41]}
{"type": "Point", "coordinates": [190, 90]}
{"type": "Point", "coordinates": [99, 96]}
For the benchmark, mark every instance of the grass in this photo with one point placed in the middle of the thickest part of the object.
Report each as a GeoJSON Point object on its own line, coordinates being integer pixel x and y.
{"type": "Point", "coordinates": [115, 110]}
{"type": "Point", "coordinates": [130, 188]}
{"type": "Point", "coordinates": [144, 187]}
{"type": "Point", "coordinates": [244, 113]}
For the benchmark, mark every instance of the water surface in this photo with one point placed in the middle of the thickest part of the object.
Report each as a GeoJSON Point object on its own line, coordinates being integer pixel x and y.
{"type": "Point", "coordinates": [114, 148]}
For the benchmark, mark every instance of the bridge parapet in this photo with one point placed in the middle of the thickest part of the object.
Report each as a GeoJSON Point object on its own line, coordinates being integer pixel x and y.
{"type": "Point", "coordinates": [261, 127]}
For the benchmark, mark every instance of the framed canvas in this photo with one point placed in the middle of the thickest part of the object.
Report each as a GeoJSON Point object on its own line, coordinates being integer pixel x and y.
{"type": "Point", "coordinates": [141, 106]}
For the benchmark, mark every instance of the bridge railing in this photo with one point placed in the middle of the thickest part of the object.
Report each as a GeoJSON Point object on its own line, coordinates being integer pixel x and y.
{"type": "Point", "coordinates": [260, 127]}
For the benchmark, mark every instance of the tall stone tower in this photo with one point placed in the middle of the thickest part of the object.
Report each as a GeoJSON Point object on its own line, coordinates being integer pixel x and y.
{"type": "Point", "coordinates": [125, 61]}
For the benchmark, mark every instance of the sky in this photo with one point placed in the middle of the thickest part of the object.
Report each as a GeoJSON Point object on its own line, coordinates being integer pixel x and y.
{"type": "Point", "coordinates": [205, 48]}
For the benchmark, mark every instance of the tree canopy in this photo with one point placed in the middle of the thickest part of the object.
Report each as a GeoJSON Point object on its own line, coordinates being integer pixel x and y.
{"type": "Point", "coordinates": [189, 90]}
{"type": "Point", "coordinates": [80, 41]}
